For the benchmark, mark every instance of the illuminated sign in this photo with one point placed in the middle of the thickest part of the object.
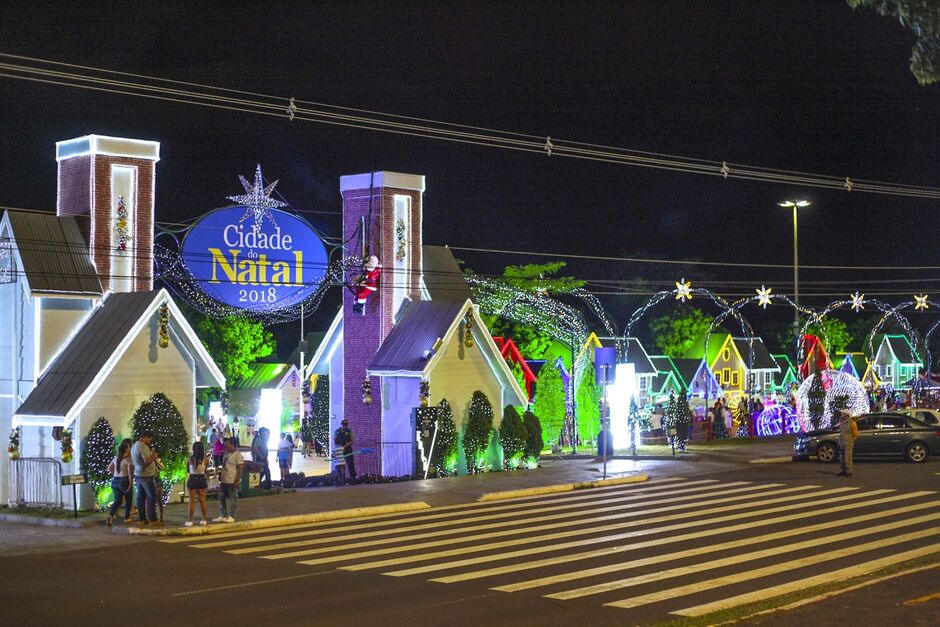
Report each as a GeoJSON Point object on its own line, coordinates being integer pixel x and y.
{"type": "Point", "coordinates": [262, 265]}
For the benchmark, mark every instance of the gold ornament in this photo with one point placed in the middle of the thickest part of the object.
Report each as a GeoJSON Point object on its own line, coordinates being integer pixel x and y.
{"type": "Point", "coordinates": [366, 392]}
{"type": "Point", "coordinates": [468, 326]}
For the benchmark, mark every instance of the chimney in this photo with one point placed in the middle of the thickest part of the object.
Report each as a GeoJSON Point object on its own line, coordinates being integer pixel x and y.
{"type": "Point", "coordinates": [110, 182]}
{"type": "Point", "coordinates": [381, 217]}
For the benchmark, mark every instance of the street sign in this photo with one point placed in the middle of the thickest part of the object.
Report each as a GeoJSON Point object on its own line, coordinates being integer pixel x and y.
{"type": "Point", "coordinates": [74, 479]}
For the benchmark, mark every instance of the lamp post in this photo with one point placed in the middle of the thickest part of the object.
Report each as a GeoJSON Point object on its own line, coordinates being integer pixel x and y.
{"type": "Point", "coordinates": [796, 204]}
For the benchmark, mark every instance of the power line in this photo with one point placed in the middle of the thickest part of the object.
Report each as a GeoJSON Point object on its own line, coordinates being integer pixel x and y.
{"type": "Point", "coordinates": [247, 102]}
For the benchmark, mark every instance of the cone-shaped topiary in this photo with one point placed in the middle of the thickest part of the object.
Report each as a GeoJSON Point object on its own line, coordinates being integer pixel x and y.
{"type": "Point", "coordinates": [444, 455]}
{"type": "Point", "coordinates": [477, 431]}
{"type": "Point", "coordinates": [160, 416]}
{"type": "Point", "coordinates": [533, 441]}
{"type": "Point", "coordinates": [96, 455]}
{"type": "Point", "coordinates": [512, 437]}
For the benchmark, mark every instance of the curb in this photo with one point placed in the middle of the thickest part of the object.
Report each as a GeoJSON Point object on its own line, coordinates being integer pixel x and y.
{"type": "Point", "coordinates": [48, 522]}
{"type": "Point", "coordinates": [772, 460]}
{"type": "Point", "coordinates": [279, 521]}
{"type": "Point", "coordinates": [685, 457]}
{"type": "Point", "coordinates": [562, 487]}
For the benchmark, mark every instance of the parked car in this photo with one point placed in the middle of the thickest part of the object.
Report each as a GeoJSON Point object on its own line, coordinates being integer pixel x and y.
{"type": "Point", "coordinates": [879, 435]}
{"type": "Point", "coordinates": [930, 417]}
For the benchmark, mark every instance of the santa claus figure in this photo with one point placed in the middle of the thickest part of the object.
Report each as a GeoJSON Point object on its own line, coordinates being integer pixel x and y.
{"type": "Point", "coordinates": [368, 284]}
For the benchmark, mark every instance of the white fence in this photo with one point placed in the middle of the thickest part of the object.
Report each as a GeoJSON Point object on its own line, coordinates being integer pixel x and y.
{"type": "Point", "coordinates": [35, 481]}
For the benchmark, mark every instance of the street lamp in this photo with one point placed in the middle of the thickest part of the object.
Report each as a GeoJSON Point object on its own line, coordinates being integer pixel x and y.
{"type": "Point", "coordinates": [796, 204]}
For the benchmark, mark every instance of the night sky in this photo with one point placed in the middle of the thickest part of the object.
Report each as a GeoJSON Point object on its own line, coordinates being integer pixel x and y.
{"type": "Point", "coordinates": [808, 86]}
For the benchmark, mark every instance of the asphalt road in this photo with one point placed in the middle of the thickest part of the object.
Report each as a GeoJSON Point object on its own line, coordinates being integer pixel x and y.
{"type": "Point", "coordinates": [700, 535]}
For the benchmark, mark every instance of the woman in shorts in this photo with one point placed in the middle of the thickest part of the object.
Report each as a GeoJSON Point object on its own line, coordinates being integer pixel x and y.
{"type": "Point", "coordinates": [196, 483]}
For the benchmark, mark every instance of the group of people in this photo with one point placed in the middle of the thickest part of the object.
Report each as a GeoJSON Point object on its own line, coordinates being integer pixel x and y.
{"type": "Point", "coordinates": [136, 466]}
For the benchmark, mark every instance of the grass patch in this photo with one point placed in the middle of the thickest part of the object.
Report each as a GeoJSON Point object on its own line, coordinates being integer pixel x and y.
{"type": "Point", "coordinates": [46, 512]}
{"type": "Point", "coordinates": [742, 612]}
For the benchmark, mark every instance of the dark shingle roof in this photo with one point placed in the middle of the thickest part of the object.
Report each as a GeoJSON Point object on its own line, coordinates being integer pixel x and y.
{"type": "Point", "coordinates": [762, 357]}
{"type": "Point", "coordinates": [902, 349]}
{"type": "Point", "coordinates": [637, 356]}
{"type": "Point", "coordinates": [76, 367]}
{"type": "Point", "coordinates": [416, 331]}
{"type": "Point", "coordinates": [687, 369]}
{"type": "Point", "coordinates": [442, 276]}
{"type": "Point", "coordinates": [54, 254]}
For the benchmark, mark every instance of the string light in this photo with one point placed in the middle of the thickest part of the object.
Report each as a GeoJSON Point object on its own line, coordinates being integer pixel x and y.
{"type": "Point", "coordinates": [763, 296]}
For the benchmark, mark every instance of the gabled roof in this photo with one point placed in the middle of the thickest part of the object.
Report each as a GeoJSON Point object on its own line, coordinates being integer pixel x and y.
{"type": "Point", "coordinates": [762, 359]}
{"type": "Point", "coordinates": [442, 277]}
{"type": "Point", "coordinates": [333, 338]}
{"type": "Point", "coordinates": [787, 369]}
{"type": "Point", "coordinates": [849, 365]}
{"type": "Point", "coordinates": [53, 254]}
{"type": "Point", "coordinates": [688, 369]}
{"type": "Point", "coordinates": [412, 348]}
{"type": "Point", "coordinates": [265, 376]}
{"type": "Point", "coordinates": [510, 352]}
{"type": "Point", "coordinates": [902, 349]}
{"type": "Point", "coordinates": [666, 369]}
{"type": "Point", "coordinates": [80, 368]}
{"type": "Point", "coordinates": [637, 355]}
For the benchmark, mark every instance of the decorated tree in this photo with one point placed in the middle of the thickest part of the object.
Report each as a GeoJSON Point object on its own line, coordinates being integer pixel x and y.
{"type": "Point", "coordinates": [160, 416]}
{"type": "Point", "coordinates": [533, 440]}
{"type": "Point", "coordinates": [587, 405]}
{"type": "Point", "coordinates": [682, 419]}
{"type": "Point", "coordinates": [320, 409]}
{"type": "Point", "coordinates": [550, 404]}
{"type": "Point", "coordinates": [477, 431]}
{"type": "Point", "coordinates": [96, 456]}
{"type": "Point", "coordinates": [742, 413]}
{"type": "Point", "coordinates": [816, 402]}
{"type": "Point", "coordinates": [512, 437]}
{"type": "Point", "coordinates": [634, 420]}
{"type": "Point", "coordinates": [444, 455]}
{"type": "Point", "coordinates": [669, 419]}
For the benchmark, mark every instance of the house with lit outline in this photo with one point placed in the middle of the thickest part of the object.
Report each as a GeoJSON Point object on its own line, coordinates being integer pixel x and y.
{"type": "Point", "coordinates": [895, 362]}
{"type": "Point", "coordinates": [419, 328]}
{"type": "Point", "coordinates": [87, 336]}
{"type": "Point", "coordinates": [743, 366]}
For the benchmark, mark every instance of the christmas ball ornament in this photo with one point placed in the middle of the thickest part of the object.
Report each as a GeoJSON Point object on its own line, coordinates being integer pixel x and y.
{"type": "Point", "coordinates": [366, 392]}
{"type": "Point", "coordinates": [468, 326]}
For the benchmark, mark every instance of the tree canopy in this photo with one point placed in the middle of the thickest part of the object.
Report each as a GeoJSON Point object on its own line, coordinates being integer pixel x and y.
{"type": "Point", "coordinates": [921, 17]}
{"type": "Point", "coordinates": [235, 343]}
{"type": "Point", "coordinates": [675, 332]}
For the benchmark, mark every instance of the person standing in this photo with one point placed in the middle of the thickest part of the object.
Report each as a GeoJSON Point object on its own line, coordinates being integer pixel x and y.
{"type": "Point", "coordinates": [218, 452]}
{"type": "Point", "coordinates": [196, 483]}
{"type": "Point", "coordinates": [213, 438]}
{"type": "Point", "coordinates": [122, 477]}
{"type": "Point", "coordinates": [285, 449]}
{"type": "Point", "coordinates": [848, 433]}
{"type": "Point", "coordinates": [259, 454]}
{"type": "Point", "coordinates": [344, 438]}
{"type": "Point", "coordinates": [232, 465]}
{"type": "Point", "coordinates": [145, 471]}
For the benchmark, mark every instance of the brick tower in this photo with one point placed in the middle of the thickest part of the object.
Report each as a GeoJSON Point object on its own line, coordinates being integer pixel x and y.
{"type": "Point", "coordinates": [382, 217]}
{"type": "Point", "coordinates": [99, 178]}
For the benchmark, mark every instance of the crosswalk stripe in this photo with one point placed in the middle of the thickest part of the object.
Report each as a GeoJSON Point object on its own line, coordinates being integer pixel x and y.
{"type": "Point", "coordinates": [755, 573]}
{"type": "Point", "coordinates": [462, 526]}
{"type": "Point", "coordinates": [618, 584]}
{"type": "Point", "coordinates": [547, 548]}
{"type": "Point", "coordinates": [551, 539]}
{"type": "Point", "coordinates": [438, 513]}
{"type": "Point", "coordinates": [562, 559]}
{"type": "Point", "coordinates": [808, 582]}
{"type": "Point", "coordinates": [567, 510]}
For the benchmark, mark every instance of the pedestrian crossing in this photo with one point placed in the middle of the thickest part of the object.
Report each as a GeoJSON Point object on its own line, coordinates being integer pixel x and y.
{"type": "Point", "coordinates": [673, 545]}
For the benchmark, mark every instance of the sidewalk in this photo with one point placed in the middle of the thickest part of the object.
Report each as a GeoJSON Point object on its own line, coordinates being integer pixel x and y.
{"type": "Point", "coordinates": [433, 492]}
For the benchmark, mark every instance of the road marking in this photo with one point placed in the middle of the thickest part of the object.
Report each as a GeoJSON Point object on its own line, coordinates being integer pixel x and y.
{"type": "Point", "coordinates": [923, 599]}
{"type": "Point", "coordinates": [625, 502]}
{"type": "Point", "coordinates": [618, 584]}
{"type": "Point", "coordinates": [439, 513]}
{"type": "Point", "coordinates": [552, 561]}
{"type": "Point", "coordinates": [250, 583]}
{"type": "Point", "coordinates": [802, 584]}
{"type": "Point", "coordinates": [550, 540]}
{"type": "Point", "coordinates": [773, 569]}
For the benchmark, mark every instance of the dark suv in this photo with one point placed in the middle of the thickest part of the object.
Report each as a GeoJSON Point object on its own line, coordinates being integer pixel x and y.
{"type": "Point", "coordinates": [879, 435]}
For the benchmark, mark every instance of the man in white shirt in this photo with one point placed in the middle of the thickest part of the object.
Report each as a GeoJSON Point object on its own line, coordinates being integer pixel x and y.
{"type": "Point", "coordinates": [232, 465]}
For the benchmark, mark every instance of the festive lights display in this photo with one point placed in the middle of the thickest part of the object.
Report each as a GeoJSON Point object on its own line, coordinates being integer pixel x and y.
{"type": "Point", "coordinates": [468, 329]}
{"type": "Point", "coordinates": [401, 241]}
{"type": "Point", "coordinates": [512, 437]}
{"type": "Point", "coordinates": [763, 296]}
{"type": "Point", "coordinates": [777, 420]}
{"type": "Point", "coordinates": [858, 302]}
{"type": "Point", "coordinates": [13, 448]}
{"type": "Point", "coordinates": [97, 454]}
{"type": "Point", "coordinates": [683, 290]}
{"type": "Point", "coordinates": [444, 455]}
{"type": "Point", "coordinates": [65, 441]}
{"type": "Point", "coordinates": [920, 301]}
{"type": "Point", "coordinates": [366, 391]}
{"type": "Point", "coordinates": [120, 225]}
{"type": "Point", "coordinates": [839, 391]}
{"type": "Point", "coordinates": [257, 199]}
{"type": "Point", "coordinates": [164, 327]}
{"type": "Point", "coordinates": [160, 416]}
{"type": "Point", "coordinates": [424, 392]}
{"type": "Point", "coordinates": [477, 432]}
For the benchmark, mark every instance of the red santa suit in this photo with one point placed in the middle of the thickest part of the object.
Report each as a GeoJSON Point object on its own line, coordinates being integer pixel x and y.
{"type": "Point", "coordinates": [368, 284]}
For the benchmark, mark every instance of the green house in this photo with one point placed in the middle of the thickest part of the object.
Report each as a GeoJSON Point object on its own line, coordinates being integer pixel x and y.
{"type": "Point", "coordinates": [668, 379]}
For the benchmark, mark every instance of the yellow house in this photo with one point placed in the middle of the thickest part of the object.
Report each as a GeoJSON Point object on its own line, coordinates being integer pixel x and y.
{"type": "Point", "coordinates": [744, 366]}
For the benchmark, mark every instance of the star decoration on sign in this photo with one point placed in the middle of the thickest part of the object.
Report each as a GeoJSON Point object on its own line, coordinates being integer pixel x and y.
{"type": "Point", "coordinates": [921, 300]}
{"type": "Point", "coordinates": [257, 199]}
{"type": "Point", "coordinates": [763, 296]}
{"type": "Point", "coordinates": [683, 290]}
{"type": "Point", "coordinates": [858, 302]}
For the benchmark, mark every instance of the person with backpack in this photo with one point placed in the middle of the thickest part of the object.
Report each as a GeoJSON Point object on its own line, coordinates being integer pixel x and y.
{"type": "Point", "coordinates": [848, 433]}
{"type": "Point", "coordinates": [344, 438]}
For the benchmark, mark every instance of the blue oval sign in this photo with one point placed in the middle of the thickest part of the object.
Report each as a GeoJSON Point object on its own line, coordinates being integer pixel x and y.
{"type": "Point", "coordinates": [275, 265]}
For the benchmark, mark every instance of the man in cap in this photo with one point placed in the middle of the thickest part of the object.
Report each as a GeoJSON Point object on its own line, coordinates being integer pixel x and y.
{"type": "Point", "coordinates": [848, 433]}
